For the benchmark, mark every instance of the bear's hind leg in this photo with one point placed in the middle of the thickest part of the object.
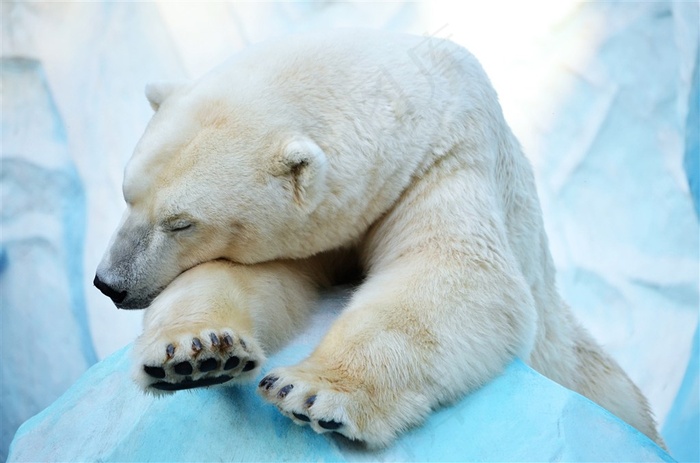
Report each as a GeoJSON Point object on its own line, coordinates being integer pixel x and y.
{"type": "Point", "coordinates": [601, 379]}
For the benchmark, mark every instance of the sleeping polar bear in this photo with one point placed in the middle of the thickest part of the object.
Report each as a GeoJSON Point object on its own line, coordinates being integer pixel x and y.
{"type": "Point", "coordinates": [314, 160]}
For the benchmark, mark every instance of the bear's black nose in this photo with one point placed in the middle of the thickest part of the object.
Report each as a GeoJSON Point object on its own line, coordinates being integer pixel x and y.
{"type": "Point", "coordinates": [113, 294]}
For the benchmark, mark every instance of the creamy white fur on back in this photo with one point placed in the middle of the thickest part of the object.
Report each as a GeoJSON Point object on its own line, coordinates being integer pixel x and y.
{"type": "Point", "coordinates": [318, 159]}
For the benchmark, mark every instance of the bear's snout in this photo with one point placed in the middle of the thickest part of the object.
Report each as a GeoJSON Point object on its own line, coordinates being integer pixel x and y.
{"type": "Point", "coordinates": [115, 295]}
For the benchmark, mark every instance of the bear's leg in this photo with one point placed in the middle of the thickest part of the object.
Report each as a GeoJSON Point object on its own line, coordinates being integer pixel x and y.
{"type": "Point", "coordinates": [602, 380]}
{"type": "Point", "coordinates": [215, 322]}
{"type": "Point", "coordinates": [444, 308]}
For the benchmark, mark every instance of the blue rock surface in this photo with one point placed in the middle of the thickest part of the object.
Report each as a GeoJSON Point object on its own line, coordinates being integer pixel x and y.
{"type": "Point", "coordinates": [691, 159]}
{"type": "Point", "coordinates": [682, 429]}
{"type": "Point", "coordinates": [45, 341]}
{"type": "Point", "coordinates": [520, 416]}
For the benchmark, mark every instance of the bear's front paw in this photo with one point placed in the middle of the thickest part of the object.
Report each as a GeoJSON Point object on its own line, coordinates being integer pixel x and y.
{"type": "Point", "coordinates": [329, 401]}
{"type": "Point", "coordinates": [297, 397]}
{"type": "Point", "coordinates": [171, 362]}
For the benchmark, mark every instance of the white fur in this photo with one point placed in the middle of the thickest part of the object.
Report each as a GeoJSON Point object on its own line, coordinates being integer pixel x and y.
{"type": "Point", "coordinates": [158, 92]}
{"type": "Point", "coordinates": [299, 159]}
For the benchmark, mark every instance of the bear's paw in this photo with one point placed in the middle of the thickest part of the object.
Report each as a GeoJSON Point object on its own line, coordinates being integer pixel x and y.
{"type": "Point", "coordinates": [329, 402]}
{"type": "Point", "coordinates": [171, 362]}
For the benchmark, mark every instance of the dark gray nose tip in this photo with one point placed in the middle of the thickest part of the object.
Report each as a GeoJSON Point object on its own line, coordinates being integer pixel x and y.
{"type": "Point", "coordinates": [113, 294]}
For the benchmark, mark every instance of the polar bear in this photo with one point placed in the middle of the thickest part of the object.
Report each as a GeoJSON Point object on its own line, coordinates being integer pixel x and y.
{"type": "Point", "coordinates": [327, 157]}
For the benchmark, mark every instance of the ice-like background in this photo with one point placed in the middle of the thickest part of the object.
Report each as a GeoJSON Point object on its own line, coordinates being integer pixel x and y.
{"type": "Point", "coordinates": [603, 96]}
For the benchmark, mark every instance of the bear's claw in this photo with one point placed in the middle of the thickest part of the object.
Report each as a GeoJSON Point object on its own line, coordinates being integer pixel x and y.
{"type": "Point", "coordinates": [196, 345]}
{"type": "Point", "coordinates": [267, 382]}
{"type": "Point", "coordinates": [284, 391]}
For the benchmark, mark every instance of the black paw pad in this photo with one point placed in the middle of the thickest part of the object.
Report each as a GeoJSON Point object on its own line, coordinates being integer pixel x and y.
{"type": "Point", "coordinates": [183, 368]}
{"type": "Point", "coordinates": [156, 372]}
{"type": "Point", "coordinates": [330, 425]}
{"type": "Point", "coordinates": [301, 417]}
{"type": "Point", "coordinates": [190, 384]}
{"type": "Point", "coordinates": [267, 382]}
{"type": "Point", "coordinates": [208, 365]}
{"type": "Point", "coordinates": [284, 391]}
{"type": "Point", "coordinates": [232, 363]}
{"type": "Point", "coordinates": [249, 365]}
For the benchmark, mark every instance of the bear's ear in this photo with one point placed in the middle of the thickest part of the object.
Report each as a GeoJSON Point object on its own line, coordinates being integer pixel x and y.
{"type": "Point", "coordinates": [304, 164]}
{"type": "Point", "coordinates": [158, 92]}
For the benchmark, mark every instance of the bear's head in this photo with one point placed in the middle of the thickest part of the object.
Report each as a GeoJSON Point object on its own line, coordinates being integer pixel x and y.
{"type": "Point", "coordinates": [215, 176]}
